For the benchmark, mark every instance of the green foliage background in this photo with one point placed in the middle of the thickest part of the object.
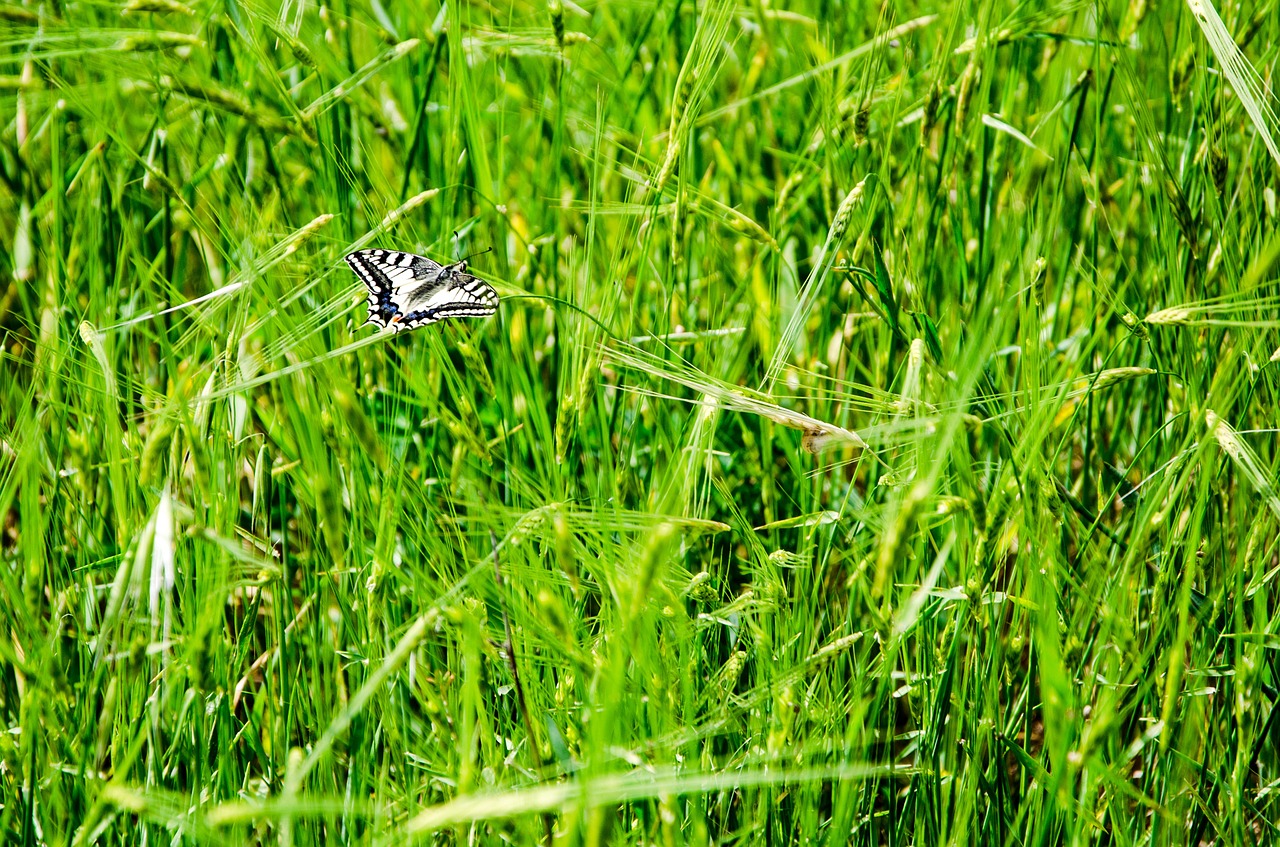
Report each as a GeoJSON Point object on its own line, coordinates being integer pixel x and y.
{"type": "Point", "coordinates": [875, 445]}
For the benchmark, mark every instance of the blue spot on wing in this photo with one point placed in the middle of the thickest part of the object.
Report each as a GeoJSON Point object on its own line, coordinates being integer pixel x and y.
{"type": "Point", "coordinates": [386, 309]}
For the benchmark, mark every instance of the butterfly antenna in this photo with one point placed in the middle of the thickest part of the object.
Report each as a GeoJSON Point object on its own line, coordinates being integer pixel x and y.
{"type": "Point", "coordinates": [471, 256]}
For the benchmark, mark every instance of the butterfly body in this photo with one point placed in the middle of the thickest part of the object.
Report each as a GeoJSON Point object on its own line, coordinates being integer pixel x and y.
{"type": "Point", "coordinates": [407, 290]}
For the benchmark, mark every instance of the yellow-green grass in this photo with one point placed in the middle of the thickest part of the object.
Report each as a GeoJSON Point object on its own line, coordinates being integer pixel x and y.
{"type": "Point", "coordinates": [819, 480]}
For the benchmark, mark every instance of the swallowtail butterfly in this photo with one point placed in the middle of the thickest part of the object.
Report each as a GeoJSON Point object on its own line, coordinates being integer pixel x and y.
{"type": "Point", "coordinates": [407, 291]}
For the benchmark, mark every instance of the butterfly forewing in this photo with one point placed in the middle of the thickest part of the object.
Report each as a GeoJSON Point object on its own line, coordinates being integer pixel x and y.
{"type": "Point", "coordinates": [407, 290]}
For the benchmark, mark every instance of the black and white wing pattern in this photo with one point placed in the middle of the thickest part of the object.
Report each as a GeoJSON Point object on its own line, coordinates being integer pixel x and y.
{"type": "Point", "coordinates": [407, 291]}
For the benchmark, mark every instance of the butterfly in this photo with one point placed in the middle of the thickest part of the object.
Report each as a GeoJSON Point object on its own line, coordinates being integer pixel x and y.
{"type": "Point", "coordinates": [407, 291]}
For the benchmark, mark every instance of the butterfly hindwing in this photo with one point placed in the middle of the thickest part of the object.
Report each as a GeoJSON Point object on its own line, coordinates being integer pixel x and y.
{"type": "Point", "coordinates": [385, 273]}
{"type": "Point", "coordinates": [407, 290]}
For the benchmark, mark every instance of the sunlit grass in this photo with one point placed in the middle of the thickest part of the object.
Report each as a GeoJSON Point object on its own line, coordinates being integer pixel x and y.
{"type": "Point", "coordinates": [819, 480]}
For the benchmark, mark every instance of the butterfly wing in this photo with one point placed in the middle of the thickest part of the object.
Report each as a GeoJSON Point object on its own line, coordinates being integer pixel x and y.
{"type": "Point", "coordinates": [457, 294]}
{"type": "Point", "coordinates": [407, 290]}
{"type": "Point", "coordinates": [387, 274]}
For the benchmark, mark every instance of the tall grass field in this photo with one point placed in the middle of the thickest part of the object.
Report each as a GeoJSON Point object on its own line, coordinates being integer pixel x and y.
{"type": "Point", "coordinates": [876, 442]}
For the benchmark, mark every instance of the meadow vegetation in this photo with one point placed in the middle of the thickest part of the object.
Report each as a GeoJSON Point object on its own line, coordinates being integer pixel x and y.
{"type": "Point", "coordinates": [875, 443]}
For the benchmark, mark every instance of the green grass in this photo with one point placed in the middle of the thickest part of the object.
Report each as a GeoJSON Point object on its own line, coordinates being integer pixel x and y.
{"type": "Point", "coordinates": [875, 445]}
